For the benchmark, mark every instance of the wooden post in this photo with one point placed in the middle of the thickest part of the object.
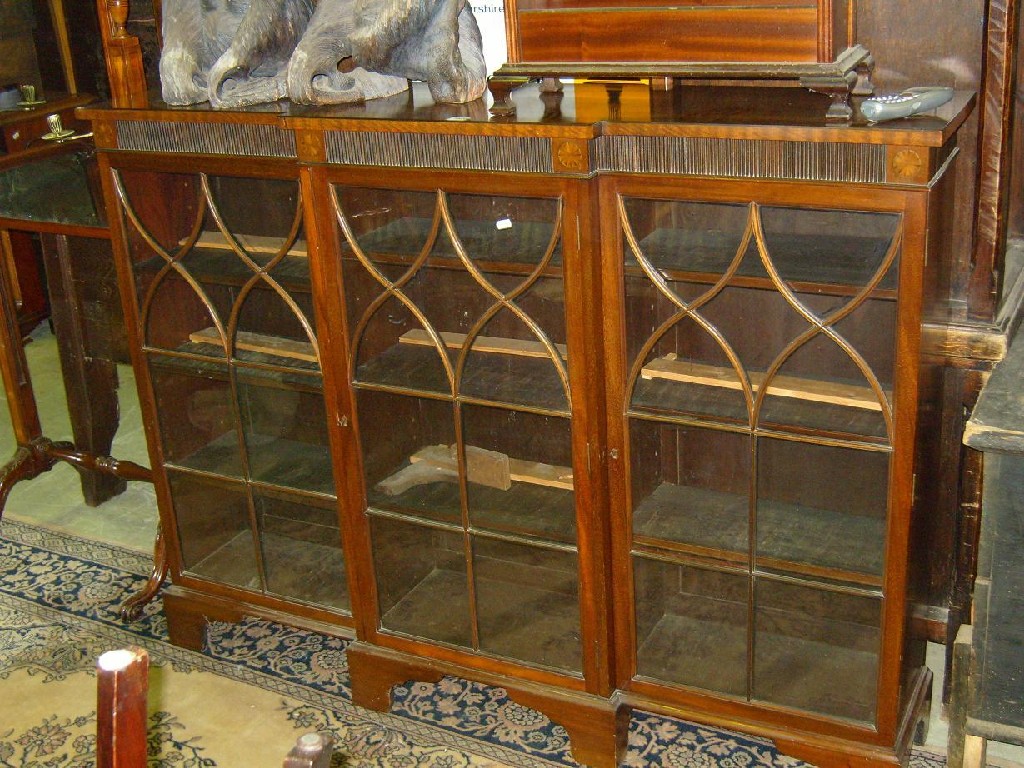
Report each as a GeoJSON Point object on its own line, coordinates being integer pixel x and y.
{"type": "Point", "coordinates": [13, 365]}
{"type": "Point", "coordinates": [123, 55]}
{"type": "Point", "coordinates": [122, 682]}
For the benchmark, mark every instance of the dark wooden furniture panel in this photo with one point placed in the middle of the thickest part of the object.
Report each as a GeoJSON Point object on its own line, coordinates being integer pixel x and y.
{"type": "Point", "coordinates": [543, 416]}
{"type": "Point", "coordinates": [648, 31]}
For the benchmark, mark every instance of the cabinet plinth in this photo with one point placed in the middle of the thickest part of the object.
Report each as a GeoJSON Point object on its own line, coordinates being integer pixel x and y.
{"type": "Point", "coordinates": [635, 431]}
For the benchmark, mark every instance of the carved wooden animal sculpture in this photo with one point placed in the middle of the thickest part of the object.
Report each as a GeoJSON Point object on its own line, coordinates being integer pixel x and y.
{"type": "Point", "coordinates": [240, 52]}
{"type": "Point", "coordinates": [195, 34]}
{"type": "Point", "coordinates": [386, 43]}
{"type": "Point", "coordinates": [322, 69]}
{"type": "Point", "coordinates": [230, 52]}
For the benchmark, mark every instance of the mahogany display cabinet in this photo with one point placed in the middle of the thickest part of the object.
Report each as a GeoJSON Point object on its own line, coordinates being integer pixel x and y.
{"type": "Point", "coordinates": [616, 412]}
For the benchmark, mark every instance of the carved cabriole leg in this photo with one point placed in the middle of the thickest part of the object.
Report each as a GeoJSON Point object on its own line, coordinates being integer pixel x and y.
{"type": "Point", "coordinates": [597, 727]}
{"type": "Point", "coordinates": [132, 607]}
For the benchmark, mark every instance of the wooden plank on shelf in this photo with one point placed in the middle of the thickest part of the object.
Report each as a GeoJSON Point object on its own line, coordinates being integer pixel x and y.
{"type": "Point", "coordinates": [492, 344]}
{"type": "Point", "coordinates": [418, 473]}
{"type": "Point", "coordinates": [251, 243]}
{"type": "Point", "coordinates": [490, 468]}
{"type": "Point", "coordinates": [258, 342]}
{"type": "Point", "coordinates": [849, 395]}
{"type": "Point", "coordinates": [496, 469]}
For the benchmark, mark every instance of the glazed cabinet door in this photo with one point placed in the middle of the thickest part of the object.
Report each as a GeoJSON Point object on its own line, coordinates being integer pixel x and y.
{"type": "Point", "coordinates": [754, 411]}
{"type": "Point", "coordinates": [228, 337]}
{"type": "Point", "coordinates": [465, 373]}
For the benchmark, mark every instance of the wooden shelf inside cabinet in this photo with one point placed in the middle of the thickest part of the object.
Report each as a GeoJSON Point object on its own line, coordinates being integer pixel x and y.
{"type": "Point", "coordinates": [792, 538]}
{"type": "Point", "coordinates": [671, 368]}
{"type": "Point", "coordinates": [559, 651]}
{"type": "Point", "coordinates": [668, 399]}
{"type": "Point", "coordinates": [819, 263]}
{"type": "Point", "coordinates": [549, 639]}
{"type": "Point", "coordinates": [413, 367]}
{"type": "Point", "coordinates": [219, 265]}
{"type": "Point", "coordinates": [255, 368]}
{"type": "Point", "coordinates": [281, 463]}
{"type": "Point", "coordinates": [323, 568]}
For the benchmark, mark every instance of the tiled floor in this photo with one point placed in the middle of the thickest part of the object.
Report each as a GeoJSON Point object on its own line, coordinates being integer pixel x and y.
{"type": "Point", "coordinates": [54, 499]}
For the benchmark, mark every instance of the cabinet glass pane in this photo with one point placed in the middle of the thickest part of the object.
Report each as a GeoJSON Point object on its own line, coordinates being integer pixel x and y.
{"type": "Point", "coordinates": [214, 530]}
{"type": "Point", "coordinates": [846, 249]}
{"type": "Point", "coordinates": [821, 510]}
{"type": "Point", "coordinates": [274, 327]}
{"type": "Point", "coordinates": [218, 242]}
{"type": "Point", "coordinates": [520, 473]}
{"type": "Point", "coordinates": [691, 489]}
{"type": "Point", "coordinates": [724, 301]}
{"type": "Point", "coordinates": [456, 294]}
{"type": "Point", "coordinates": [285, 435]}
{"type": "Point", "coordinates": [527, 603]}
{"type": "Point", "coordinates": [301, 546]}
{"type": "Point", "coordinates": [838, 251]}
{"type": "Point", "coordinates": [816, 650]}
{"type": "Point", "coordinates": [408, 463]}
{"type": "Point", "coordinates": [712, 362]}
{"type": "Point", "coordinates": [197, 419]}
{"type": "Point", "coordinates": [760, 345]}
{"type": "Point", "coordinates": [421, 579]}
{"type": "Point", "coordinates": [691, 625]}
{"type": "Point", "coordinates": [399, 225]}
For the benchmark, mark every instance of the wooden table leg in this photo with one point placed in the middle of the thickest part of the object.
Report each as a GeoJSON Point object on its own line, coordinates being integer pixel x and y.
{"type": "Point", "coordinates": [13, 366]}
{"type": "Point", "coordinates": [959, 693]}
{"type": "Point", "coordinates": [89, 381]}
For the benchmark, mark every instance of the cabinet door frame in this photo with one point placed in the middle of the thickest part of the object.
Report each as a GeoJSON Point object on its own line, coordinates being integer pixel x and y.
{"type": "Point", "coordinates": [912, 206]}
{"type": "Point", "coordinates": [584, 371]}
{"type": "Point", "coordinates": [157, 163]}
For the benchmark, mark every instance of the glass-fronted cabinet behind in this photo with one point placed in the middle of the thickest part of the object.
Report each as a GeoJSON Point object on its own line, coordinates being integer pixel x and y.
{"type": "Point", "coordinates": [456, 312]}
{"type": "Point", "coordinates": [228, 330]}
{"type": "Point", "coordinates": [760, 347]}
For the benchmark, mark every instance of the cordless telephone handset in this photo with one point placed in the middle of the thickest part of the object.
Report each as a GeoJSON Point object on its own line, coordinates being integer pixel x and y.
{"type": "Point", "coordinates": [910, 102]}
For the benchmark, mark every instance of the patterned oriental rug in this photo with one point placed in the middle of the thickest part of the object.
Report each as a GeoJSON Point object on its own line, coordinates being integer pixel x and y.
{"type": "Point", "coordinates": [258, 686]}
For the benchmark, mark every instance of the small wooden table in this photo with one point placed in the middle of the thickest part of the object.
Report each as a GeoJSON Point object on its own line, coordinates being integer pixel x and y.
{"type": "Point", "coordinates": [75, 240]}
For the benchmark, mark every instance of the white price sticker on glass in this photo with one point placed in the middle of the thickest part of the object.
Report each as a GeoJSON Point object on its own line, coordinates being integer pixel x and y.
{"type": "Point", "coordinates": [505, 223]}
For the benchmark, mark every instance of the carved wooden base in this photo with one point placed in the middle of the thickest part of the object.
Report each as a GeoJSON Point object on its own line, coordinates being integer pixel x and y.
{"type": "Point", "coordinates": [841, 754]}
{"type": "Point", "coordinates": [132, 607]}
{"type": "Point", "coordinates": [849, 74]}
{"type": "Point", "coordinates": [597, 727]}
{"type": "Point", "coordinates": [825, 751]}
{"type": "Point", "coordinates": [187, 614]}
